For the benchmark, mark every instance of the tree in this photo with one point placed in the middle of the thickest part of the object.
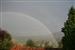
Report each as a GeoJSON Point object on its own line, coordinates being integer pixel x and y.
{"type": "Point", "coordinates": [5, 40]}
{"type": "Point", "coordinates": [47, 44]}
{"type": "Point", "coordinates": [30, 43]}
{"type": "Point", "coordinates": [69, 31]}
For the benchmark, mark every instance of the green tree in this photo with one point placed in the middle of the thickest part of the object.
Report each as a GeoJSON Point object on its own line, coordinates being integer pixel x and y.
{"type": "Point", "coordinates": [47, 44]}
{"type": "Point", "coordinates": [5, 40]}
{"type": "Point", "coordinates": [69, 31]}
{"type": "Point", "coordinates": [30, 43]}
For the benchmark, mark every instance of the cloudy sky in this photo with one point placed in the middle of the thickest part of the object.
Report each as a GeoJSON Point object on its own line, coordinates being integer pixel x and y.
{"type": "Point", "coordinates": [52, 13]}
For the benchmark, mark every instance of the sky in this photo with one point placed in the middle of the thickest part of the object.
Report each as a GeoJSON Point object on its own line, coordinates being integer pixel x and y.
{"type": "Point", "coordinates": [52, 13]}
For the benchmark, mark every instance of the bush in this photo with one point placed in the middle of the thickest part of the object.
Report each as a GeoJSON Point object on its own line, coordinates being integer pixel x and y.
{"type": "Point", "coordinates": [5, 40]}
{"type": "Point", "coordinates": [30, 43]}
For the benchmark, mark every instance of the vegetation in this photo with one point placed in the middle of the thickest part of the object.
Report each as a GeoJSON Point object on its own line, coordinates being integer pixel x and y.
{"type": "Point", "coordinates": [5, 40]}
{"type": "Point", "coordinates": [30, 43]}
{"type": "Point", "coordinates": [69, 31]}
{"type": "Point", "coordinates": [47, 45]}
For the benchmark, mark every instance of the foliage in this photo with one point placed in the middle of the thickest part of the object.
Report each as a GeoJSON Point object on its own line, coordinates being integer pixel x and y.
{"type": "Point", "coordinates": [47, 45]}
{"type": "Point", "coordinates": [5, 40]}
{"type": "Point", "coordinates": [30, 43]}
{"type": "Point", "coordinates": [69, 31]}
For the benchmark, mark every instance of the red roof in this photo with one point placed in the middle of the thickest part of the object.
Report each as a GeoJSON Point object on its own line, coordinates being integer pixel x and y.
{"type": "Point", "coordinates": [19, 47]}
